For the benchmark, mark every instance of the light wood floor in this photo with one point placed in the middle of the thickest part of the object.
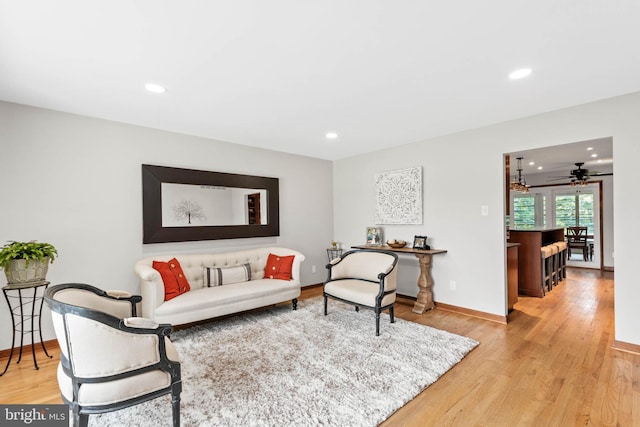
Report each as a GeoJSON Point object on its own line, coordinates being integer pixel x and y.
{"type": "Point", "coordinates": [552, 365]}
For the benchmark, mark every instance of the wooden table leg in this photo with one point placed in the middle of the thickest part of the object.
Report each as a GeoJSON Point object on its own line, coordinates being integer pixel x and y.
{"type": "Point", "coordinates": [424, 301]}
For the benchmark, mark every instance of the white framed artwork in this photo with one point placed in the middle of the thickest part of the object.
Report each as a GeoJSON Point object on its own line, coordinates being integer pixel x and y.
{"type": "Point", "coordinates": [399, 196]}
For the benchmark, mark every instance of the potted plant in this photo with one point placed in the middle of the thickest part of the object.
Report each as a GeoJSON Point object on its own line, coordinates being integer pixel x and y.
{"type": "Point", "coordinates": [25, 262]}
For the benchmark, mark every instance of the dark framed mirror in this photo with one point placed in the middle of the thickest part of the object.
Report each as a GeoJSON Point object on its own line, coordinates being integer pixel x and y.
{"type": "Point", "coordinates": [181, 205]}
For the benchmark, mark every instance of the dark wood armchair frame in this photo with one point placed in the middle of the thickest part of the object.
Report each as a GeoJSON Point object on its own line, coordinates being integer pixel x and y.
{"type": "Point", "coordinates": [81, 412]}
{"type": "Point", "coordinates": [378, 307]}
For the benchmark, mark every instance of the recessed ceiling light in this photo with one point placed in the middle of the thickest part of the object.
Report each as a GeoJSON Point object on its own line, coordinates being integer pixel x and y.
{"type": "Point", "coordinates": [594, 155]}
{"type": "Point", "coordinates": [589, 148]}
{"type": "Point", "coordinates": [331, 135]}
{"type": "Point", "coordinates": [539, 168]}
{"type": "Point", "coordinates": [532, 163]}
{"type": "Point", "coordinates": [521, 73]}
{"type": "Point", "coordinates": [155, 88]}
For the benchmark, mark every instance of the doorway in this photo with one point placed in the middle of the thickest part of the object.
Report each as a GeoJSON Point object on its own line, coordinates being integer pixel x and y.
{"type": "Point", "coordinates": [253, 209]}
{"type": "Point", "coordinates": [554, 168]}
{"type": "Point", "coordinates": [564, 206]}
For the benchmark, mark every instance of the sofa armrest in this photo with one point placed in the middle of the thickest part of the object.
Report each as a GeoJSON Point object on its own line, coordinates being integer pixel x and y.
{"type": "Point", "coordinates": [151, 289]}
{"type": "Point", "coordinates": [295, 268]}
{"type": "Point", "coordinates": [147, 272]}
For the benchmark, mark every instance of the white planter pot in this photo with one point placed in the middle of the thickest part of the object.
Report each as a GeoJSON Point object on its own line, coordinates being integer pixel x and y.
{"type": "Point", "coordinates": [19, 272]}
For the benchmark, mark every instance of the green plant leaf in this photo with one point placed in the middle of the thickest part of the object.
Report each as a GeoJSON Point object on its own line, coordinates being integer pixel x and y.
{"type": "Point", "coordinates": [27, 251]}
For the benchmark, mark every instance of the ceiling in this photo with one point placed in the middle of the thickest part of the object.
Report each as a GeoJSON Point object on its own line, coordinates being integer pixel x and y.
{"type": "Point", "coordinates": [559, 160]}
{"type": "Point", "coordinates": [280, 74]}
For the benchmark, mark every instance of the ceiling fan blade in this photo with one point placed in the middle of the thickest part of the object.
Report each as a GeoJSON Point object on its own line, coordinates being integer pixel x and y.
{"type": "Point", "coordinates": [602, 174]}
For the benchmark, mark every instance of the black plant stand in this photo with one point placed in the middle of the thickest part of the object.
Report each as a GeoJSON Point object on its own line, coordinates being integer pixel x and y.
{"type": "Point", "coordinates": [23, 316]}
{"type": "Point", "coordinates": [333, 253]}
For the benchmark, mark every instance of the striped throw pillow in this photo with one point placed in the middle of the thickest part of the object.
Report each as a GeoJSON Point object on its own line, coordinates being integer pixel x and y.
{"type": "Point", "coordinates": [227, 275]}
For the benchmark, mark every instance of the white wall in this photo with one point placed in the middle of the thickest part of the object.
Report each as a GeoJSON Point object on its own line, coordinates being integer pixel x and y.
{"type": "Point", "coordinates": [464, 171]}
{"type": "Point", "coordinates": [76, 182]}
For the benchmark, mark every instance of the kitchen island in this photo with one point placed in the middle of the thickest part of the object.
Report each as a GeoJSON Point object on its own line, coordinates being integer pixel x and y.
{"type": "Point", "coordinates": [512, 275]}
{"type": "Point", "coordinates": [529, 257]}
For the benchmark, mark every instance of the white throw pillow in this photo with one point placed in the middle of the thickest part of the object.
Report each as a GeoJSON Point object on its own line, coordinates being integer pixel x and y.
{"type": "Point", "coordinates": [227, 275]}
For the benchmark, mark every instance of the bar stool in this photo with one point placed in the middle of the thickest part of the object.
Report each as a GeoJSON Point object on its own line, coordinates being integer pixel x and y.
{"type": "Point", "coordinates": [555, 264]}
{"type": "Point", "coordinates": [548, 267]}
{"type": "Point", "coordinates": [562, 259]}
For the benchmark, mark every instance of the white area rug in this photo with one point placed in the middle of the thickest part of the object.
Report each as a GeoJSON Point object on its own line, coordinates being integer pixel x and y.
{"type": "Point", "coordinates": [281, 367]}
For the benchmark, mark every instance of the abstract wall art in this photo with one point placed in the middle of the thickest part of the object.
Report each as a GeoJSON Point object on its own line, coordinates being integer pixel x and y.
{"type": "Point", "coordinates": [399, 196]}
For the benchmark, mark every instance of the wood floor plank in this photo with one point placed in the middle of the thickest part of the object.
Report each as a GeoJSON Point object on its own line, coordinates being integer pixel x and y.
{"type": "Point", "coordinates": [551, 365]}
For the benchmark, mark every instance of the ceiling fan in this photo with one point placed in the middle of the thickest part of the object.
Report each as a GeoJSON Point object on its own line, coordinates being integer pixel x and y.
{"type": "Point", "coordinates": [580, 176]}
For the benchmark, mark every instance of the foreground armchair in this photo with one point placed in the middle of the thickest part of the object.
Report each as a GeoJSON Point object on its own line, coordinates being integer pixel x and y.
{"type": "Point", "coordinates": [364, 278]}
{"type": "Point", "coordinates": [109, 358]}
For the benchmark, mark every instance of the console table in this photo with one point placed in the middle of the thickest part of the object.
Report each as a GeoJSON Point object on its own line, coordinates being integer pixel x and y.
{"type": "Point", "coordinates": [23, 315]}
{"type": "Point", "coordinates": [424, 300]}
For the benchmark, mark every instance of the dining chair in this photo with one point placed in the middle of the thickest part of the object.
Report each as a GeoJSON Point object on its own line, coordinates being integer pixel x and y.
{"type": "Point", "coordinates": [577, 239]}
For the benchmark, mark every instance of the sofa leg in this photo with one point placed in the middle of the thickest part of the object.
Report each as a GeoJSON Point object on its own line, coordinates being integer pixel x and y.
{"type": "Point", "coordinates": [294, 303]}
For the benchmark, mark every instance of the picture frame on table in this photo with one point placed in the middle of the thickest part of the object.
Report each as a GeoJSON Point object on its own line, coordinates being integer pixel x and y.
{"type": "Point", "coordinates": [374, 236]}
{"type": "Point", "coordinates": [420, 242]}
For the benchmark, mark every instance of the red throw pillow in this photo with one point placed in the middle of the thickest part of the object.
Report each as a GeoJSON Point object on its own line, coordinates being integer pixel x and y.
{"type": "Point", "coordinates": [183, 283]}
{"type": "Point", "coordinates": [278, 267]}
{"type": "Point", "coordinates": [175, 282]}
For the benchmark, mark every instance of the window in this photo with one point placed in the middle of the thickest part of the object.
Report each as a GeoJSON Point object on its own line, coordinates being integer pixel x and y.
{"type": "Point", "coordinates": [575, 210]}
{"type": "Point", "coordinates": [529, 210]}
{"type": "Point", "coordinates": [524, 211]}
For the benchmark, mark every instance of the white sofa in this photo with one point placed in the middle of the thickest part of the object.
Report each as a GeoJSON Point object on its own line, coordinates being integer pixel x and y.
{"type": "Point", "coordinates": [203, 302]}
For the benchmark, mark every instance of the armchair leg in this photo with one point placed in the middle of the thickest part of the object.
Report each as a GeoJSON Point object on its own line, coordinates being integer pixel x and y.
{"type": "Point", "coordinates": [377, 322]}
{"type": "Point", "coordinates": [391, 315]}
{"type": "Point", "coordinates": [294, 303]}
{"type": "Point", "coordinates": [175, 408]}
{"type": "Point", "coordinates": [325, 305]}
{"type": "Point", "coordinates": [79, 420]}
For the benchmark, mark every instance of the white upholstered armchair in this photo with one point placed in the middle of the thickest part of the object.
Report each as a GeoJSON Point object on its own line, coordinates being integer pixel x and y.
{"type": "Point", "coordinates": [364, 278]}
{"type": "Point", "coordinates": [109, 358]}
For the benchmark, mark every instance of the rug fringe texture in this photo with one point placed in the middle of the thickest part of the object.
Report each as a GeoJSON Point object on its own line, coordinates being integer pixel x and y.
{"type": "Point", "coordinates": [279, 367]}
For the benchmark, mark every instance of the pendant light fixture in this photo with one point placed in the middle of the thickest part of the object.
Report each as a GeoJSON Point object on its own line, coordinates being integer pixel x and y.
{"type": "Point", "coordinates": [519, 183]}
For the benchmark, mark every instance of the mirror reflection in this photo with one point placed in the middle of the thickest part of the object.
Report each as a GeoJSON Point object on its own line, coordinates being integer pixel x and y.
{"type": "Point", "coordinates": [188, 205]}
